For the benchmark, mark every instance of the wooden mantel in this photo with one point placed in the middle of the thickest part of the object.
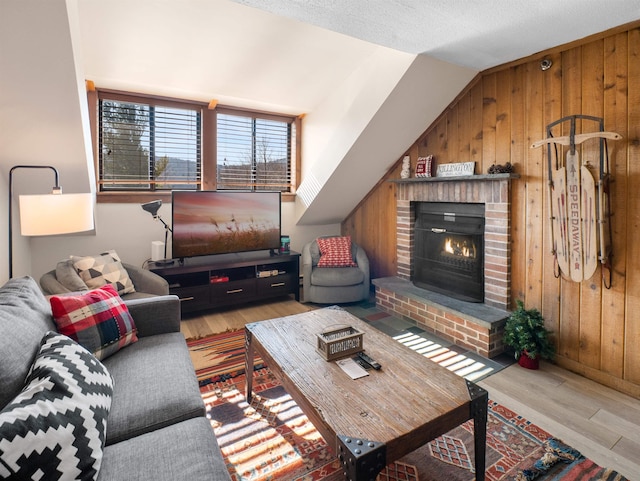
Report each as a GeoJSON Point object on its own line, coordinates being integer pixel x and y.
{"type": "Point", "coordinates": [482, 177]}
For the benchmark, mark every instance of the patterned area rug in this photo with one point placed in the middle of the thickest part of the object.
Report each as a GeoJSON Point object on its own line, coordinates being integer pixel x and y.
{"type": "Point", "coordinates": [219, 357]}
{"type": "Point", "coordinates": [272, 439]}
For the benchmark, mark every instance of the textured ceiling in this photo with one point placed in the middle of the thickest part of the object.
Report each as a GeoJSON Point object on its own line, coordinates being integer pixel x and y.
{"type": "Point", "coordinates": [476, 34]}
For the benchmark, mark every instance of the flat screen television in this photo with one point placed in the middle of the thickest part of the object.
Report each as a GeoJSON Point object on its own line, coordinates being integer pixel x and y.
{"type": "Point", "coordinates": [222, 222]}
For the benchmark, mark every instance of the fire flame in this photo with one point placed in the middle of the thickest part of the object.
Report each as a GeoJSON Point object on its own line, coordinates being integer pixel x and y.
{"type": "Point", "coordinates": [459, 248]}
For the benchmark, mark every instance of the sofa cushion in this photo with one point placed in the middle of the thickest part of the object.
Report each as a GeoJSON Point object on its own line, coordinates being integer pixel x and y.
{"type": "Point", "coordinates": [335, 252]}
{"type": "Point", "coordinates": [98, 320]}
{"type": "Point", "coordinates": [105, 268]}
{"type": "Point", "coordinates": [195, 455]}
{"type": "Point", "coordinates": [55, 428]}
{"type": "Point", "coordinates": [25, 316]}
{"type": "Point", "coordinates": [155, 386]}
{"type": "Point", "coordinates": [337, 276]}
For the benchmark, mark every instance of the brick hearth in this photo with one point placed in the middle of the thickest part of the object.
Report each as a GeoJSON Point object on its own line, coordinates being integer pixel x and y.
{"type": "Point", "coordinates": [476, 326]}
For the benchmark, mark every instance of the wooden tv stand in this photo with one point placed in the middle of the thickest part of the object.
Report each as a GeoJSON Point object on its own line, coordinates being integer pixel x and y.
{"type": "Point", "coordinates": [231, 279]}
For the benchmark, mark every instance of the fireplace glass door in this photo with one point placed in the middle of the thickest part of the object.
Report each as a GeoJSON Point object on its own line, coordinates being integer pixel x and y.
{"type": "Point", "coordinates": [449, 249]}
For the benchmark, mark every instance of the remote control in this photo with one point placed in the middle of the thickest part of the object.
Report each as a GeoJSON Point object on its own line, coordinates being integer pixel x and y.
{"type": "Point", "coordinates": [364, 365]}
{"type": "Point", "coordinates": [369, 361]}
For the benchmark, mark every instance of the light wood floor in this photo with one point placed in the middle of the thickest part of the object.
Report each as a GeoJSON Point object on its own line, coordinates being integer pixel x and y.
{"type": "Point", "coordinates": [215, 322]}
{"type": "Point", "coordinates": [601, 423]}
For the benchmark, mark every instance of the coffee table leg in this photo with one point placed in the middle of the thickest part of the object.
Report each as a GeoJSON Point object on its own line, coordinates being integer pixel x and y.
{"type": "Point", "coordinates": [248, 363]}
{"type": "Point", "coordinates": [361, 459]}
{"type": "Point", "coordinates": [479, 407]}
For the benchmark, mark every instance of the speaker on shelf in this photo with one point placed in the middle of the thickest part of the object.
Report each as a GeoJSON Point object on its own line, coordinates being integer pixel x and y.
{"type": "Point", "coordinates": [157, 251]}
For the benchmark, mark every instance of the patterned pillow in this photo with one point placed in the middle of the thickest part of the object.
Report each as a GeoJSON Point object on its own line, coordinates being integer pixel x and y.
{"type": "Point", "coordinates": [335, 252]}
{"type": "Point", "coordinates": [105, 268]}
{"type": "Point", "coordinates": [55, 428]}
{"type": "Point", "coordinates": [98, 320]}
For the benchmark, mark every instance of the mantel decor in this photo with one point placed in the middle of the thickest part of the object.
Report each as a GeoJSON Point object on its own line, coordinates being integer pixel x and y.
{"type": "Point", "coordinates": [457, 169]}
{"type": "Point", "coordinates": [479, 177]}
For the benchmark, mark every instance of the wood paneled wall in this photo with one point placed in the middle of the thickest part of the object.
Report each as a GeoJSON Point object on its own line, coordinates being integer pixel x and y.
{"type": "Point", "coordinates": [495, 120]}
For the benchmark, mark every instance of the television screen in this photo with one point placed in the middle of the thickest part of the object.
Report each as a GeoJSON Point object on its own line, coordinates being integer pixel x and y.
{"type": "Point", "coordinates": [221, 222]}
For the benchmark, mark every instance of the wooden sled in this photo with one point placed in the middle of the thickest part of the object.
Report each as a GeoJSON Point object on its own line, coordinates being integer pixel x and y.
{"type": "Point", "coordinates": [580, 213]}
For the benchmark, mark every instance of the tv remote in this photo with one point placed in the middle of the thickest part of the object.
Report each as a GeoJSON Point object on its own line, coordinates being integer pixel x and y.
{"type": "Point", "coordinates": [364, 365]}
{"type": "Point", "coordinates": [369, 361]}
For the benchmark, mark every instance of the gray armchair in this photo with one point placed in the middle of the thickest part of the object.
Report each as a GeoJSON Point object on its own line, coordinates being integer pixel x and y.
{"type": "Point", "coordinates": [334, 285]}
{"type": "Point", "coordinates": [64, 278]}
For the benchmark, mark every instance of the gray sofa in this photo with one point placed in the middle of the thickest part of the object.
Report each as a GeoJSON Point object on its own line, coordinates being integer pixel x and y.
{"type": "Point", "coordinates": [156, 426]}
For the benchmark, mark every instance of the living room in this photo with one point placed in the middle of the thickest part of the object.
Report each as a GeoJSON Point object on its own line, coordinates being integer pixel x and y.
{"type": "Point", "coordinates": [488, 115]}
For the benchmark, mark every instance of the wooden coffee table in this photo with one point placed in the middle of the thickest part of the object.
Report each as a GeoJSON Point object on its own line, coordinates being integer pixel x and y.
{"type": "Point", "coordinates": [375, 420]}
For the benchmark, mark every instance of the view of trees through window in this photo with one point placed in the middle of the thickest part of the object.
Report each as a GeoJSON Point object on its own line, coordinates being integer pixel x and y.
{"type": "Point", "coordinates": [148, 146]}
{"type": "Point", "coordinates": [253, 152]}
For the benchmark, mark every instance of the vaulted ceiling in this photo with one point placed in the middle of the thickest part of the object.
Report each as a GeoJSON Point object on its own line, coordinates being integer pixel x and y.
{"type": "Point", "coordinates": [478, 35]}
{"type": "Point", "coordinates": [369, 76]}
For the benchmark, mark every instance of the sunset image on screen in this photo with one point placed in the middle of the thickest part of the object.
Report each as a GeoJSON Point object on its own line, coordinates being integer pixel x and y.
{"type": "Point", "coordinates": [221, 222]}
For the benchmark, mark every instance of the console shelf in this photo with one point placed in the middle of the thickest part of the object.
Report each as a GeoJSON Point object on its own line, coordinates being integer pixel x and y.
{"type": "Point", "coordinates": [230, 279]}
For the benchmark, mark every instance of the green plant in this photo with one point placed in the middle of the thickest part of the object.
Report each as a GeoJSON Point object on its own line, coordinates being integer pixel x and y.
{"type": "Point", "coordinates": [524, 331]}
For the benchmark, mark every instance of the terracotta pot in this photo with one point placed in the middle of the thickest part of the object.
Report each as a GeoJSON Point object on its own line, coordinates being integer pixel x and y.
{"type": "Point", "coordinates": [526, 361]}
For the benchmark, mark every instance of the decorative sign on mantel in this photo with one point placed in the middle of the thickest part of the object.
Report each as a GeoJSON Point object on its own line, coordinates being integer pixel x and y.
{"type": "Point", "coordinates": [458, 169]}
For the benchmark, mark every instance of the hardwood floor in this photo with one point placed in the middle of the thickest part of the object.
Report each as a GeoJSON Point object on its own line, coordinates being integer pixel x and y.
{"type": "Point", "coordinates": [601, 423]}
{"type": "Point", "coordinates": [196, 326]}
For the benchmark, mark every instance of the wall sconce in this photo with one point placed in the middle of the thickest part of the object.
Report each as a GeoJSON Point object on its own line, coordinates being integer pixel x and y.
{"type": "Point", "coordinates": [49, 214]}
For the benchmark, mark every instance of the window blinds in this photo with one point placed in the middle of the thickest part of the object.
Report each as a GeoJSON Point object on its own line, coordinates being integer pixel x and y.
{"type": "Point", "coordinates": [148, 147]}
{"type": "Point", "coordinates": [253, 153]}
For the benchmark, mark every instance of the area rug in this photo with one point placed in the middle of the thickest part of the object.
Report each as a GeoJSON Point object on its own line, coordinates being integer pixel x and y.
{"type": "Point", "coordinates": [220, 357]}
{"type": "Point", "coordinates": [272, 439]}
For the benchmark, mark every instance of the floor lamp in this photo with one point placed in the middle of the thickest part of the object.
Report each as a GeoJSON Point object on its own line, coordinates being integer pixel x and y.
{"type": "Point", "coordinates": [49, 214]}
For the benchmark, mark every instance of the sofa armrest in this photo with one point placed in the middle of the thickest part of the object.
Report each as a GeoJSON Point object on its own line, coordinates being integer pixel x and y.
{"type": "Point", "coordinates": [147, 281]}
{"type": "Point", "coordinates": [155, 315]}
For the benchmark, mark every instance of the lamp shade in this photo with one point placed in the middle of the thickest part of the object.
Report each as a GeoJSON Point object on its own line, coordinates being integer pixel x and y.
{"type": "Point", "coordinates": [53, 214]}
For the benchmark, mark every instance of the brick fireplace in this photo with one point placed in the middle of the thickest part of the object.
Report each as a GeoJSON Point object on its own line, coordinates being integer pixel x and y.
{"type": "Point", "coordinates": [477, 326]}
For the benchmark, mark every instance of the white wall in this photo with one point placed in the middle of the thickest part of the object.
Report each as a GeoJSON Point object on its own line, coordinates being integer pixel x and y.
{"type": "Point", "coordinates": [43, 110]}
{"type": "Point", "coordinates": [352, 139]}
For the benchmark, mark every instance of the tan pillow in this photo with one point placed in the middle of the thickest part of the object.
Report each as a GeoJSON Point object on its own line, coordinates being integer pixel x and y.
{"type": "Point", "coordinates": [105, 268]}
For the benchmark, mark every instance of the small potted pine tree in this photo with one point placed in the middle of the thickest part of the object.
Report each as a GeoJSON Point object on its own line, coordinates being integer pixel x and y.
{"type": "Point", "coordinates": [526, 334]}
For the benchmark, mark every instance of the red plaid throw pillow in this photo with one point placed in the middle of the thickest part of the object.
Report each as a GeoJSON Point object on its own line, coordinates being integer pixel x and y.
{"type": "Point", "coordinates": [98, 320]}
{"type": "Point", "coordinates": [335, 252]}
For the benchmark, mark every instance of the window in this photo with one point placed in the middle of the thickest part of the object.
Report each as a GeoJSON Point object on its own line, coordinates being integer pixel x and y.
{"type": "Point", "coordinates": [149, 144]}
{"type": "Point", "coordinates": [253, 152]}
{"type": "Point", "coordinates": [144, 146]}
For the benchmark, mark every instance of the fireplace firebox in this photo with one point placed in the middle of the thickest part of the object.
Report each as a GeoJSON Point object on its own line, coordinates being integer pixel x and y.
{"type": "Point", "coordinates": [449, 249]}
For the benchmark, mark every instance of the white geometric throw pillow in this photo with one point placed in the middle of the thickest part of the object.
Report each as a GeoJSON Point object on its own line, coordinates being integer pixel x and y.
{"type": "Point", "coordinates": [55, 428]}
{"type": "Point", "coordinates": [105, 268]}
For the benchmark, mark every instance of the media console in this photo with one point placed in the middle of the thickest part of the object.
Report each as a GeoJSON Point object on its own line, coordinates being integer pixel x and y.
{"type": "Point", "coordinates": [231, 279]}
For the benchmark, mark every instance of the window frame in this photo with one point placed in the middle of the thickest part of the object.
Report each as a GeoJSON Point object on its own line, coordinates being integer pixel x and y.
{"type": "Point", "coordinates": [208, 141]}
